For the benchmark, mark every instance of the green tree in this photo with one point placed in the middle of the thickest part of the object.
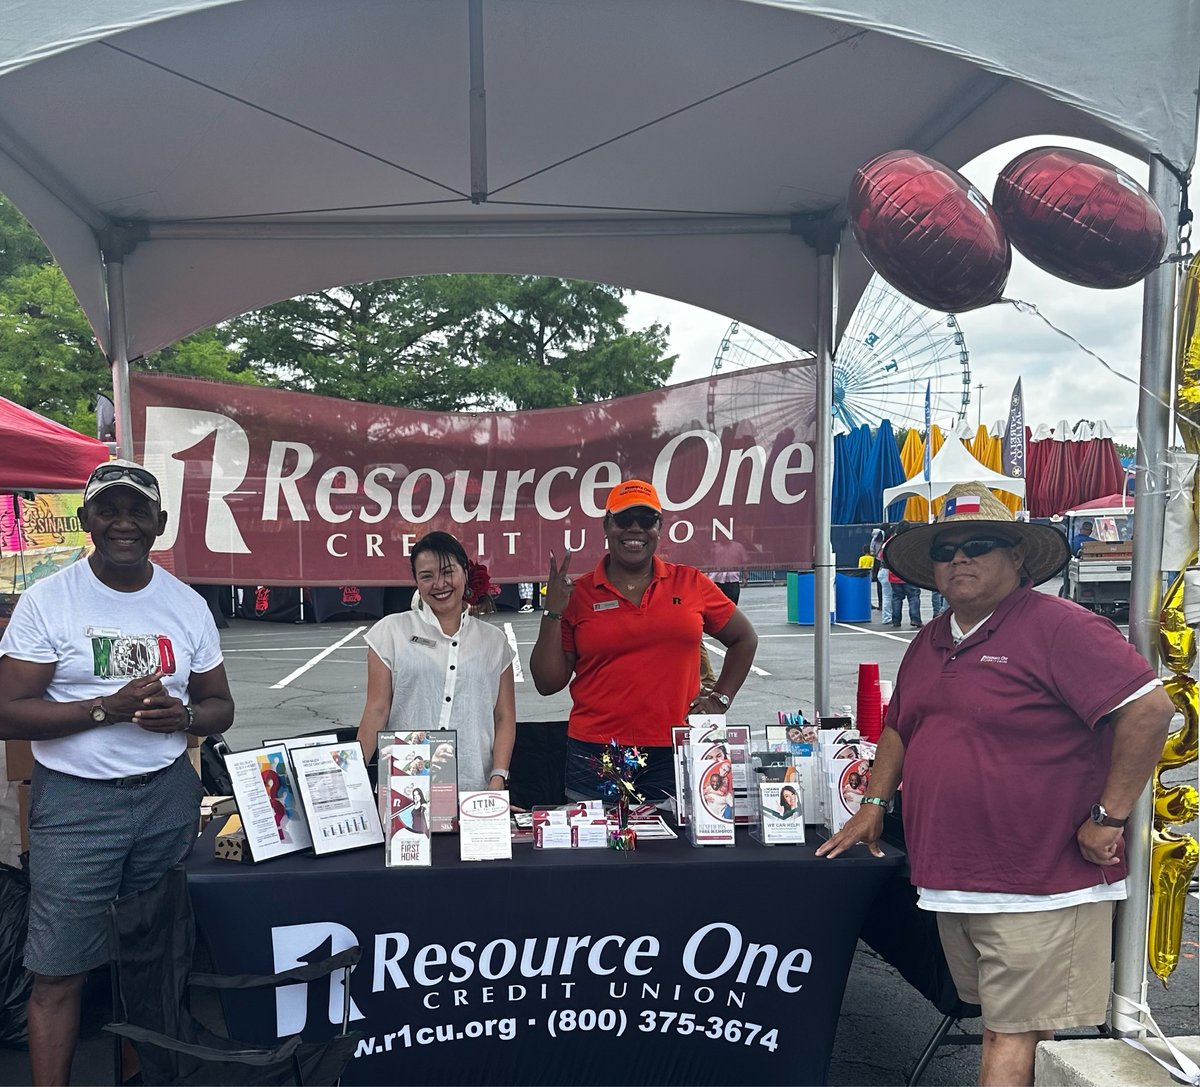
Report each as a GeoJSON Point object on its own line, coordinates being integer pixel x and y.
{"type": "Point", "coordinates": [455, 342]}
{"type": "Point", "coordinates": [50, 361]}
{"type": "Point", "coordinates": [19, 242]}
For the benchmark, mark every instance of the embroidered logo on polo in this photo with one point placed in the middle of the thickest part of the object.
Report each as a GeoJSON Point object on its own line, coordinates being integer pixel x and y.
{"type": "Point", "coordinates": [987, 658]}
{"type": "Point", "coordinates": [130, 656]}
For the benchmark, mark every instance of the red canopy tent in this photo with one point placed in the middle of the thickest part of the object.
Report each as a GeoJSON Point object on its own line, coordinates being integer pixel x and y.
{"type": "Point", "coordinates": [38, 454]}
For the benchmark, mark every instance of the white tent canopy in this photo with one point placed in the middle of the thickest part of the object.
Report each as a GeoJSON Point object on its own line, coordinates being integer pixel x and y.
{"type": "Point", "coordinates": [951, 464]}
{"type": "Point", "coordinates": [232, 153]}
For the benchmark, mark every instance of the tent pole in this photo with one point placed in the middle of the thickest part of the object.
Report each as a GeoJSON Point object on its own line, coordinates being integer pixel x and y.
{"type": "Point", "coordinates": [114, 282]}
{"type": "Point", "coordinates": [828, 242]}
{"type": "Point", "coordinates": [1145, 589]}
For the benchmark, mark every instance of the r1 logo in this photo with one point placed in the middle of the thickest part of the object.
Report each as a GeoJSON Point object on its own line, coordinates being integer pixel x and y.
{"type": "Point", "coordinates": [299, 945]}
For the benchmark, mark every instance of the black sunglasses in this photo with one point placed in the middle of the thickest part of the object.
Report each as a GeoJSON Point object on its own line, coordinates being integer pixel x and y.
{"type": "Point", "coordinates": [646, 519]}
{"type": "Point", "coordinates": [106, 473]}
{"type": "Point", "coordinates": [972, 549]}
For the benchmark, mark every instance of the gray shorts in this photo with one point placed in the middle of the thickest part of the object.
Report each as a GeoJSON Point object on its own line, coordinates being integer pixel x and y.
{"type": "Point", "coordinates": [91, 842]}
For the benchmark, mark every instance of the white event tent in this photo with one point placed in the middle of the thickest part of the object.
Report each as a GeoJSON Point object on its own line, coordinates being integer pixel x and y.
{"type": "Point", "coordinates": [187, 160]}
{"type": "Point", "coordinates": [951, 464]}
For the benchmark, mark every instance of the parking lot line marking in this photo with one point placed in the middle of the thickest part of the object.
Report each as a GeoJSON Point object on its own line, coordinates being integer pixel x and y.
{"type": "Point", "coordinates": [518, 673]}
{"type": "Point", "coordinates": [318, 658]}
{"type": "Point", "coordinates": [877, 633]}
{"type": "Point", "coordinates": [275, 649]}
{"type": "Point", "coordinates": [720, 652]}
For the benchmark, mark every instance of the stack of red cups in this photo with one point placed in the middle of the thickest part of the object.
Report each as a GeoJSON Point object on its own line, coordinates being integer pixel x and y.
{"type": "Point", "coordinates": [870, 706]}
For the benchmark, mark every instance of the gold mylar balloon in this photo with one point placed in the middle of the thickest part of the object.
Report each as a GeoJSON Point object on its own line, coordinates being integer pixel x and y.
{"type": "Point", "coordinates": [1178, 804]}
{"type": "Point", "coordinates": [1187, 356]}
{"type": "Point", "coordinates": [1180, 746]}
{"type": "Point", "coordinates": [1176, 640]}
{"type": "Point", "coordinates": [1172, 862]}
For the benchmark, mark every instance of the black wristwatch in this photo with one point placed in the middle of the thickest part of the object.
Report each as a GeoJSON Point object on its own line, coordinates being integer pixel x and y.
{"type": "Point", "coordinates": [1101, 817]}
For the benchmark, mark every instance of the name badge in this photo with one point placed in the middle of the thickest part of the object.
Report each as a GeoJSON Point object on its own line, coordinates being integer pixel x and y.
{"type": "Point", "coordinates": [428, 643]}
{"type": "Point", "coordinates": [102, 632]}
{"type": "Point", "coordinates": [606, 605]}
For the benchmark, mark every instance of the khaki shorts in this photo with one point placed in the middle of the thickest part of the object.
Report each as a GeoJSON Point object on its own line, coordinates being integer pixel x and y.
{"type": "Point", "coordinates": [1047, 970]}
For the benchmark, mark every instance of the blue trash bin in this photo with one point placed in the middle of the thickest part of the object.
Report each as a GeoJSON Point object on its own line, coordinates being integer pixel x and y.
{"type": "Point", "coordinates": [802, 606]}
{"type": "Point", "coordinates": [851, 598]}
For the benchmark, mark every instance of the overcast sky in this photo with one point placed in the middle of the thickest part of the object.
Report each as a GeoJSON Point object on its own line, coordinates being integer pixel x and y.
{"type": "Point", "coordinates": [1060, 380]}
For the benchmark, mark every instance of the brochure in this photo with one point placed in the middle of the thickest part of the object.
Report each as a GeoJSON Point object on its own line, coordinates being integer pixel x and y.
{"type": "Point", "coordinates": [336, 795]}
{"type": "Point", "coordinates": [699, 726]}
{"type": "Point", "coordinates": [782, 814]}
{"type": "Point", "coordinates": [303, 741]}
{"type": "Point", "coordinates": [405, 780]}
{"type": "Point", "coordinates": [738, 738]}
{"type": "Point", "coordinates": [710, 773]}
{"type": "Point", "coordinates": [272, 815]}
{"type": "Point", "coordinates": [483, 826]}
{"type": "Point", "coordinates": [443, 773]}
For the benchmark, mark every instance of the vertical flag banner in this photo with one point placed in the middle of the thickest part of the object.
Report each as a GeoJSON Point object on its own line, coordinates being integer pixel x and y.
{"type": "Point", "coordinates": [928, 433]}
{"type": "Point", "coordinates": [1012, 452]}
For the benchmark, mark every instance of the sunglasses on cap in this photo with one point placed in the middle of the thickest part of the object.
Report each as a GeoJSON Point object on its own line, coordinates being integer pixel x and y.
{"type": "Point", "coordinates": [113, 473]}
{"type": "Point", "coordinates": [643, 518]}
{"type": "Point", "coordinates": [972, 548]}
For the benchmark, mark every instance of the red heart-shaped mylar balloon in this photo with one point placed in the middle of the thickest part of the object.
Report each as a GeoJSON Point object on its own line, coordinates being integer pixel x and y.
{"type": "Point", "coordinates": [929, 232]}
{"type": "Point", "coordinates": [1079, 217]}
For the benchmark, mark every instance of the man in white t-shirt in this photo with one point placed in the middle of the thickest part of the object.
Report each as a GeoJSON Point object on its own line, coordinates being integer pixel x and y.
{"type": "Point", "coordinates": [106, 666]}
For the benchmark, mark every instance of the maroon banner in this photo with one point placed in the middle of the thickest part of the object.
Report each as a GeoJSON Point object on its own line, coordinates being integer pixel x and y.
{"type": "Point", "coordinates": [280, 488]}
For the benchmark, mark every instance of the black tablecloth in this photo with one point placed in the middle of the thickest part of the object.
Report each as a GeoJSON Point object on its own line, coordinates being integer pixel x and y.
{"type": "Point", "coordinates": [667, 965]}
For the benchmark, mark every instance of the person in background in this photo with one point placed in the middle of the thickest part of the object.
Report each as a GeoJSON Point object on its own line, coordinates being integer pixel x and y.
{"type": "Point", "coordinates": [902, 591]}
{"type": "Point", "coordinates": [624, 636]}
{"type": "Point", "coordinates": [883, 582]}
{"type": "Point", "coordinates": [525, 592]}
{"type": "Point", "coordinates": [1025, 728]}
{"type": "Point", "coordinates": [1084, 535]}
{"type": "Point", "coordinates": [440, 667]}
{"type": "Point", "coordinates": [866, 561]}
{"type": "Point", "coordinates": [731, 555]}
{"type": "Point", "coordinates": [107, 666]}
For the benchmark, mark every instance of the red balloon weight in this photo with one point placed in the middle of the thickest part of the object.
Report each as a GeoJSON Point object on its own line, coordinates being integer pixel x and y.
{"type": "Point", "coordinates": [1080, 218]}
{"type": "Point", "coordinates": [929, 232]}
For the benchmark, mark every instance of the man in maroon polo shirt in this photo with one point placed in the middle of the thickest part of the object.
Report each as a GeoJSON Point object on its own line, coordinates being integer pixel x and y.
{"type": "Point", "coordinates": [1026, 728]}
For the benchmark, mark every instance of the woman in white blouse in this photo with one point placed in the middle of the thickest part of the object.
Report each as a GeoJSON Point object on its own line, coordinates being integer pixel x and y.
{"type": "Point", "coordinates": [437, 667]}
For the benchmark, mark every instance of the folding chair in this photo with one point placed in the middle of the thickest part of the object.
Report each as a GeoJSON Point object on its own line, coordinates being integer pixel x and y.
{"type": "Point", "coordinates": [151, 947]}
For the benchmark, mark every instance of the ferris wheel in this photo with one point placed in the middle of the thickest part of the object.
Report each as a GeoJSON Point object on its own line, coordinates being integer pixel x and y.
{"type": "Point", "coordinates": [891, 351]}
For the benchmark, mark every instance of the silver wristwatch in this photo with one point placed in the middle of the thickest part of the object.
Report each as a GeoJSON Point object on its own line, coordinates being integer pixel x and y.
{"type": "Point", "coordinates": [724, 699]}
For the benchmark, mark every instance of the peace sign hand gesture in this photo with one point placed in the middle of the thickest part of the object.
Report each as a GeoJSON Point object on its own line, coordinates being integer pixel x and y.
{"type": "Point", "coordinates": [558, 585]}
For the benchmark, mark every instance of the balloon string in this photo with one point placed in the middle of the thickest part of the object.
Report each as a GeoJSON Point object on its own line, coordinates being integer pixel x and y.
{"type": "Point", "coordinates": [1021, 306]}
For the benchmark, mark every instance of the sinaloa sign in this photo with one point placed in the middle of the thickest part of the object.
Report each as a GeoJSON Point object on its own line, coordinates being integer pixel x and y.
{"type": "Point", "coordinates": [270, 487]}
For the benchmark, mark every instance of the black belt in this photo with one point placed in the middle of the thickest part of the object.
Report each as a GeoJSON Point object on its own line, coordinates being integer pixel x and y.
{"type": "Point", "coordinates": [130, 781]}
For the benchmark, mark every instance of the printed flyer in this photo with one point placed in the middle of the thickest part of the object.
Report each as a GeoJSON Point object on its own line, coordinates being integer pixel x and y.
{"type": "Point", "coordinates": [271, 813]}
{"type": "Point", "coordinates": [337, 798]}
{"type": "Point", "coordinates": [483, 831]}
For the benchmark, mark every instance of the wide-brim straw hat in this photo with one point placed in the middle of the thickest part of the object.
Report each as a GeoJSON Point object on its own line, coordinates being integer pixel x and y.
{"type": "Point", "coordinates": [1046, 549]}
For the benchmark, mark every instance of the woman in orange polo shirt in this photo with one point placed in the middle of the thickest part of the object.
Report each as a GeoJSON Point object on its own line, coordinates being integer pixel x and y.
{"type": "Point", "coordinates": [624, 635]}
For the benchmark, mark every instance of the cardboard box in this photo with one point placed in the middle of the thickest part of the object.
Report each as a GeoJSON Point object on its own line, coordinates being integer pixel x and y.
{"type": "Point", "coordinates": [18, 758]}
